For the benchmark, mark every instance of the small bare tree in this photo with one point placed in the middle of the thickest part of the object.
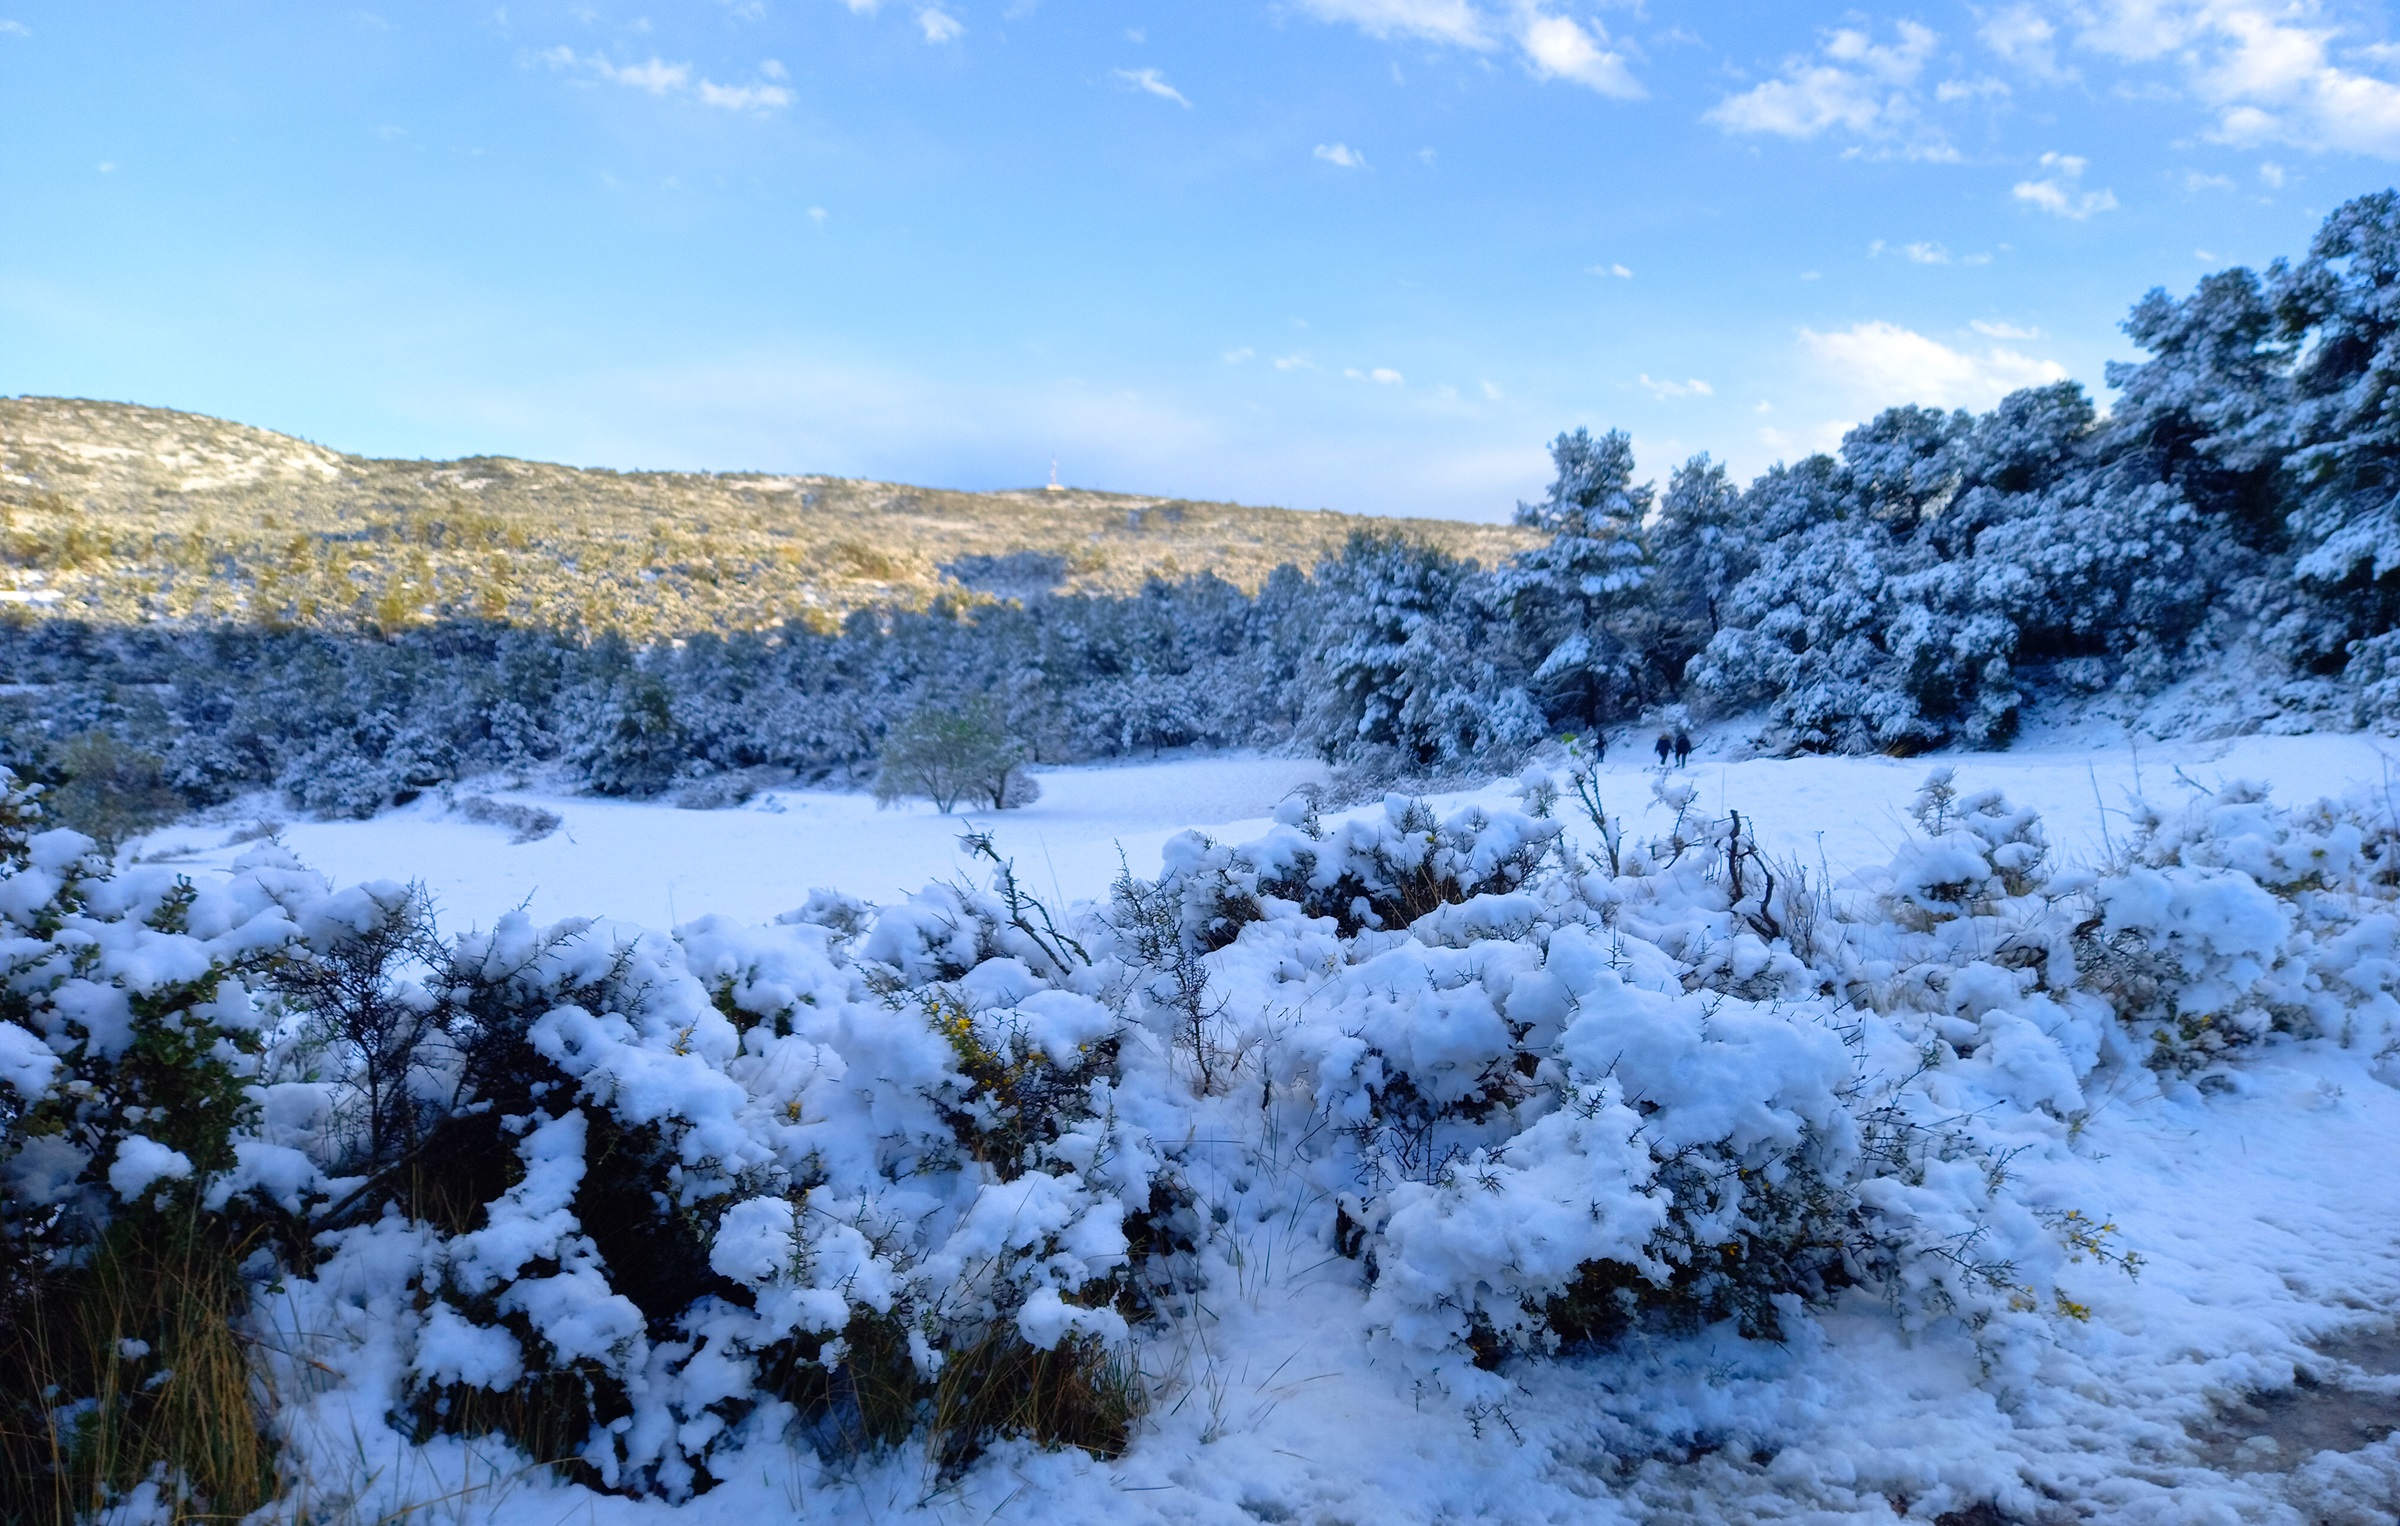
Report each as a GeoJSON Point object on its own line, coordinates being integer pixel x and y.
{"type": "Point", "coordinates": [950, 753]}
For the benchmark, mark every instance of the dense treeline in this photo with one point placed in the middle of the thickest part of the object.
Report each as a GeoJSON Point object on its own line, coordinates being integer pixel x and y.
{"type": "Point", "coordinates": [1920, 588]}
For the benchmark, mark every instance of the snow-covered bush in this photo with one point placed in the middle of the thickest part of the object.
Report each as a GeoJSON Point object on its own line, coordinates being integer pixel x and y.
{"type": "Point", "coordinates": [2234, 917]}
{"type": "Point", "coordinates": [734, 1178]}
{"type": "Point", "coordinates": [1554, 1104]}
{"type": "Point", "coordinates": [132, 1020]}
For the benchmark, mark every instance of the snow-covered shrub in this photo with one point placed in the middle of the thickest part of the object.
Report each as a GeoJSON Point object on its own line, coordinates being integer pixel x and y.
{"type": "Point", "coordinates": [526, 823]}
{"type": "Point", "coordinates": [1363, 873]}
{"type": "Point", "coordinates": [1553, 1104]}
{"type": "Point", "coordinates": [132, 1019]}
{"type": "Point", "coordinates": [2234, 917]}
{"type": "Point", "coordinates": [684, 1188]}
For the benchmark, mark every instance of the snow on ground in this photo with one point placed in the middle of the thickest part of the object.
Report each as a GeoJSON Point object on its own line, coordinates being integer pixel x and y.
{"type": "Point", "coordinates": [2265, 1212]}
{"type": "Point", "coordinates": [653, 863]}
{"type": "Point", "coordinates": [650, 862]}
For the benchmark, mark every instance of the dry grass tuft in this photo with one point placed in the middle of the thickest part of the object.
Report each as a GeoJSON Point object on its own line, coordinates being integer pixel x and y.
{"type": "Point", "coordinates": [126, 1369]}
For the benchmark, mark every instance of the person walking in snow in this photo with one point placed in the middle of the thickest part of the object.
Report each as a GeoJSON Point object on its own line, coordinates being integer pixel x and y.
{"type": "Point", "coordinates": [1683, 747]}
{"type": "Point", "coordinates": [1666, 745]}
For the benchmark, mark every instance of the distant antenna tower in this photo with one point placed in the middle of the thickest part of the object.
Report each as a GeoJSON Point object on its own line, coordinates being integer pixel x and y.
{"type": "Point", "coordinates": [1055, 486]}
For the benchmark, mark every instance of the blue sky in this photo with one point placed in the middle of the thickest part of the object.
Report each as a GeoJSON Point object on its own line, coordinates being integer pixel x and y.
{"type": "Point", "coordinates": [1361, 254]}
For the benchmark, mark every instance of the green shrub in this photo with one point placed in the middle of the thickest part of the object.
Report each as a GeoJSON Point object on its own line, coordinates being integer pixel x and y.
{"type": "Point", "coordinates": [948, 754]}
{"type": "Point", "coordinates": [112, 791]}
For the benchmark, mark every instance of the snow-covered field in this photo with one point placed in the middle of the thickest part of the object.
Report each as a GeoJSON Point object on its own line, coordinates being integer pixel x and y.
{"type": "Point", "coordinates": [2264, 1209]}
{"type": "Point", "coordinates": [655, 864]}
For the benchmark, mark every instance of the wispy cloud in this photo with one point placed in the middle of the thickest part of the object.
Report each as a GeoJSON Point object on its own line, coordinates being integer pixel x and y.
{"type": "Point", "coordinates": [938, 24]}
{"type": "Point", "coordinates": [1154, 83]}
{"type": "Point", "coordinates": [15, 29]}
{"type": "Point", "coordinates": [1852, 86]}
{"type": "Point", "coordinates": [1920, 252]}
{"type": "Point", "coordinates": [2269, 71]}
{"type": "Point", "coordinates": [1551, 45]}
{"type": "Point", "coordinates": [744, 97]}
{"type": "Point", "coordinates": [657, 77]}
{"type": "Point", "coordinates": [1381, 375]}
{"type": "Point", "coordinates": [2060, 193]}
{"type": "Point", "coordinates": [1692, 388]}
{"type": "Point", "coordinates": [1992, 330]}
{"type": "Point", "coordinates": [1294, 363]}
{"type": "Point", "coordinates": [2026, 38]}
{"type": "Point", "coordinates": [1618, 272]}
{"type": "Point", "coordinates": [1882, 363]}
{"type": "Point", "coordinates": [1450, 21]}
{"type": "Point", "coordinates": [1341, 154]}
{"type": "Point", "coordinates": [1236, 357]}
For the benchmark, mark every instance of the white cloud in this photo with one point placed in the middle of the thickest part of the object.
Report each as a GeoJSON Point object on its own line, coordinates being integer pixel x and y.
{"type": "Point", "coordinates": [1882, 364]}
{"type": "Point", "coordinates": [658, 77]}
{"type": "Point", "coordinates": [1560, 47]}
{"type": "Point", "coordinates": [1387, 377]}
{"type": "Point", "coordinates": [2194, 180]}
{"type": "Point", "coordinates": [1236, 357]}
{"type": "Point", "coordinates": [862, 7]}
{"type": "Point", "coordinates": [1553, 46]}
{"type": "Point", "coordinates": [1294, 363]}
{"type": "Point", "coordinates": [1618, 271]}
{"type": "Point", "coordinates": [1951, 90]}
{"type": "Point", "coordinates": [1853, 85]}
{"type": "Point", "coordinates": [1451, 21]}
{"type": "Point", "coordinates": [817, 215]}
{"type": "Point", "coordinates": [1342, 154]}
{"type": "Point", "coordinates": [2271, 70]}
{"type": "Point", "coordinates": [1692, 388]}
{"type": "Point", "coordinates": [1155, 83]}
{"type": "Point", "coordinates": [1492, 392]}
{"type": "Point", "coordinates": [2270, 175]}
{"type": "Point", "coordinates": [1993, 330]}
{"type": "Point", "coordinates": [773, 69]}
{"type": "Point", "coordinates": [1923, 253]}
{"type": "Point", "coordinates": [15, 29]}
{"type": "Point", "coordinates": [744, 97]}
{"type": "Point", "coordinates": [939, 25]}
{"type": "Point", "coordinates": [2061, 193]}
{"type": "Point", "coordinates": [2026, 38]}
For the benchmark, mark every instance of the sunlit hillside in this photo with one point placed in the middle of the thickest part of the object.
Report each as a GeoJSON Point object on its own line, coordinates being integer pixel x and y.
{"type": "Point", "coordinates": [124, 513]}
